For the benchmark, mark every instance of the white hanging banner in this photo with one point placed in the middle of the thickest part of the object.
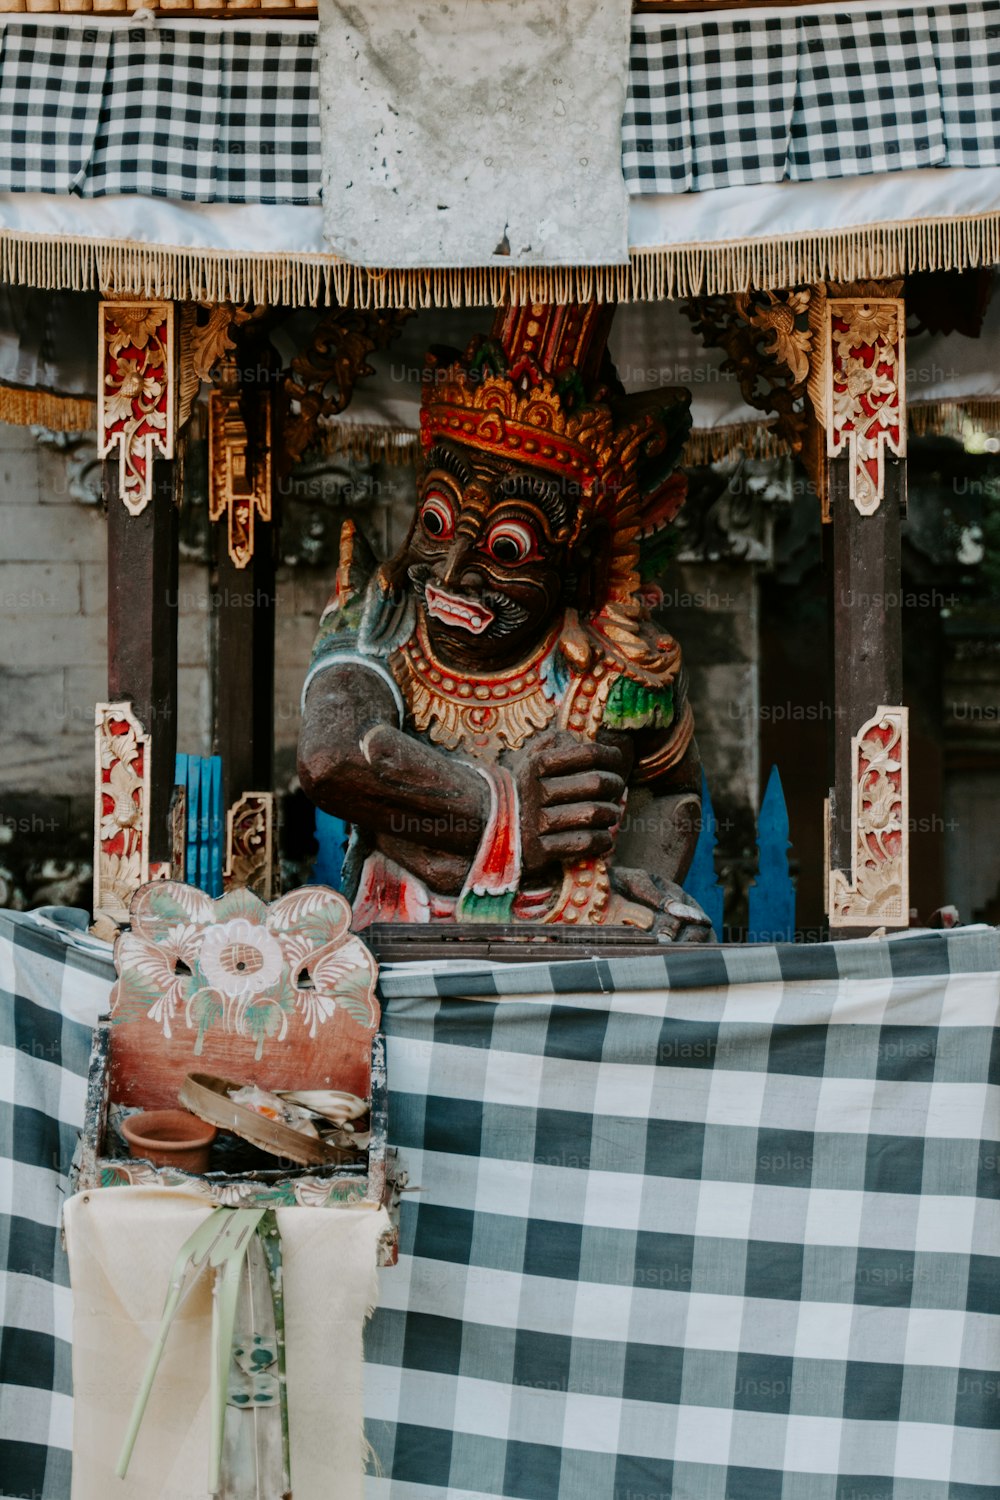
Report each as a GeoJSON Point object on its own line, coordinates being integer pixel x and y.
{"type": "Point", "coordinates": [474, 133]}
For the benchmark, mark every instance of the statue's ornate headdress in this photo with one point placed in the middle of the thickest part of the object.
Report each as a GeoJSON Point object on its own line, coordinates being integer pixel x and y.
{"type": "Point", "coordinates": [541, 391]}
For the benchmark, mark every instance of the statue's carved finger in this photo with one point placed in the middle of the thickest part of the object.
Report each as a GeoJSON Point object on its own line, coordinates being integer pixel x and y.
{"type": "Point", "coordinates": [571, 815]}
{"type": "Point", "coordinates": [583, 786]}
{"type": "Point", "coordinates": [576, 844]}
{"type": "Point", "coordinates": [564, 756]}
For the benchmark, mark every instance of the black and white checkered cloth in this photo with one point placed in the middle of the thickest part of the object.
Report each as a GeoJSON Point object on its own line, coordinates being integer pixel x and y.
{"type": "Point", "coordinates": [51, 992]}
{"type": "Point", "coordinates": [716, 1225]}
{"type": "Point", "coordinates": [216, 116]}
{"type": "Point", "coordinates": [713, 1226]}
{"type": "Point", "coordinates": [220, 115]}
{"type": "Point", "coordinates": [722, 101]}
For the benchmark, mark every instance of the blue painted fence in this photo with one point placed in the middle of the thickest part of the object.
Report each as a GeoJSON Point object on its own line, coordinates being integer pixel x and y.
{"type": "Point", "coordinates": [205, 841]}
{"type": "Point", "coordinates": [771, 898]}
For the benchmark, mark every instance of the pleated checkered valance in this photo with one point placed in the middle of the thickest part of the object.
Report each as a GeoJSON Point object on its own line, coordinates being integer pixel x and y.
{"type": "Point", "coordinates": [214, 116]}
{"type": "Point", "coordinates": [227, 115]}
{"type": "Point", "coordinates": [729, 101]}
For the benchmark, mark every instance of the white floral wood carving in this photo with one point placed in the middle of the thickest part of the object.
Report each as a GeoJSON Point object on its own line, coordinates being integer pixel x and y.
{"type": "Point", "coordinates": [135, 406]}
{"type": "Point", "coordinates": [865, 396]}
{"type": "Point", "coordinates": [121, 808]}
{"type": "Point", "coordinates": [878, 891]}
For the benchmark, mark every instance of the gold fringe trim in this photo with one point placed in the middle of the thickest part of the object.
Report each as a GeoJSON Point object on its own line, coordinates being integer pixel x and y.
{"type": "Point", "coordinates": [714, 445]}
{"type": "Point", "coordinates": [37, 408]}
{"type": "Point", "coordinates": [953, 418]}
{"type": "Point", "coordinates": [401, 445]}
{"type": "Point", "coordinates": [361, 441]}
{"type": "Point", "coordinates": [873, 251]}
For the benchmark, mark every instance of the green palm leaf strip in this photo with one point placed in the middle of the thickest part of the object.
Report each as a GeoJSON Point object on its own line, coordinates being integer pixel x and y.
{"type": "Point", "coordinates": [271, 1241]}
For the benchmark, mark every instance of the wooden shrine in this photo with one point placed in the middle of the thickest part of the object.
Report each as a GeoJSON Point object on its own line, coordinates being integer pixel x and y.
{"type": "Point", "coordinates": [827, 362]}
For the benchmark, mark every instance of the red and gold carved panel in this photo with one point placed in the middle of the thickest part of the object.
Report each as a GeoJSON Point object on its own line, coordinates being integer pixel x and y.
{"type": "Point", "coordinates": [135, 408]}
{"type": "Point", "coordinates": [863, 404]}
{"type": "Point", "coordinates": [121, 808]}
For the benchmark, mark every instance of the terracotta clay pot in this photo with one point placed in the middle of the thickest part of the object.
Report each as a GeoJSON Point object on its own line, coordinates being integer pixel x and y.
{"type": "Point", "coordinates": [170, 1138]}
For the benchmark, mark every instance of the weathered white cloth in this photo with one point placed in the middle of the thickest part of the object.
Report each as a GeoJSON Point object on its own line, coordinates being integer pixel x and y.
{"type": "Point", "coordinates": [474, 134]}
{"type": "Point", "coordinates": [122, 1245]}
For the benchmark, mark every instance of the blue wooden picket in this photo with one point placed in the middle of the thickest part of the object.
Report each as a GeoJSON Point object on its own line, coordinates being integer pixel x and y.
{"type": "Point", "coordinates": [702, 882]}
{"type": "Point", "coordinates": [331, 836]}
{"type": "Point", "coordinates": [205, 832]}
{"type": "Point", "coordinates": [771, 915]}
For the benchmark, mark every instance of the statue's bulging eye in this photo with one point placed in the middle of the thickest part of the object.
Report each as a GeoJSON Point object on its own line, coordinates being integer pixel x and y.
{"type": "Point", "coordinates": [510, 542]}
{"type": "Point", "coordinates": [437, 516]}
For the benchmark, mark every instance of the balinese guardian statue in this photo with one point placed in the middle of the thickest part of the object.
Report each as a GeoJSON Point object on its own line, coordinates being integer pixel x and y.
{"type": "Point", "coordinates": [495, 711]}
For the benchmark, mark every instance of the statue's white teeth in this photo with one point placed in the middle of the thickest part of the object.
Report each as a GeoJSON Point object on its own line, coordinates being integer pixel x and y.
{"type": "Point", "coordinates": [451, 610]}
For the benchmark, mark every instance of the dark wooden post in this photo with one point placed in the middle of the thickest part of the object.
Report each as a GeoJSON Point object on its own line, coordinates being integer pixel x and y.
{"type": "Point", "coordinates": [142, 630]}
{"type": "Point", "coordinates": [867, 625]}
{"type": "Point", "coordinates": [242, 478]}
{"type": "Point", "coordinates": [244, 703]}
{"type": "Point", "coordinates": [859, 393]}
{"type": "Point", "coordinates": [135, 426]}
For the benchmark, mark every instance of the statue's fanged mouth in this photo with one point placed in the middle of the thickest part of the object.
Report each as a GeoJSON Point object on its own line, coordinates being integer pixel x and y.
{"type": "Point", "coordinates": [451, 610]}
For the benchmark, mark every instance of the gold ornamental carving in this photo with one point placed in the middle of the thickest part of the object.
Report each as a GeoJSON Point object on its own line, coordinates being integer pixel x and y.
{"type": "Point", "coordinates": [859, 388]}
{"type": "Point", "coordinates": [135, 407]}
{"type": "Point", "coordinates": [250, 844]}
{"type": "Point", "coordinates": [239, 469]}
{"type": "Point", "coordinates": [878, 890]}
{"type": "Point", "coordinates": [121, 808]}
{"type": "Point", "coordinates": [204, 347]}
{"type": "Point", "coordinates": [767, 338]}
{"type": "Point", "coordinates": [323, 375]}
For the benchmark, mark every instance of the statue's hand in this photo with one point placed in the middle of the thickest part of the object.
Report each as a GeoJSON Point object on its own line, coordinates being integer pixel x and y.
{"type": "Point", "coordinates": [571, 793]}
{"type": "Point", "coordinates": [678, 918]}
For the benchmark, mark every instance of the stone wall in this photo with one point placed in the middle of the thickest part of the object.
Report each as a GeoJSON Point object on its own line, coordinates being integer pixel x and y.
{"type": "Point", "coordinates": [53, 666]}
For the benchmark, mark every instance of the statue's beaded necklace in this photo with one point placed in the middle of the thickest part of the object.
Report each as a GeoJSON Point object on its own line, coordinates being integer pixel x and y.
{"type": "Point", "coordinates": [481, 713]}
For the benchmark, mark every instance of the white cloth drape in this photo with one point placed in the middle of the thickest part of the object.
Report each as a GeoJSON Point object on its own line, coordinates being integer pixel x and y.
{"type": "Point", "coordinates": [122, 1244]}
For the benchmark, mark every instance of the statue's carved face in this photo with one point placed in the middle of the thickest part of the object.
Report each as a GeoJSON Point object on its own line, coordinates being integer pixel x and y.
{"type": "Point", "coordinates": [488, 555]}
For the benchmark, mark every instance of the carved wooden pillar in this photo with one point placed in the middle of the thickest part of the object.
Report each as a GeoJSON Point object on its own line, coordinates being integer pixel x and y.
{"type": "Point", "coordinates": [136, 437]}
{"type": "Point", "coordinates": [242, 479]}
{"type": "Point", "coordinates": [859, 395]}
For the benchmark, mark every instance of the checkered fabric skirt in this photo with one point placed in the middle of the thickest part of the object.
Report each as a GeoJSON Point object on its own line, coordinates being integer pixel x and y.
{"type": "Point", "coordinates": [717, 1225]}
{"type": "Point", "coordinates": [222, 115]}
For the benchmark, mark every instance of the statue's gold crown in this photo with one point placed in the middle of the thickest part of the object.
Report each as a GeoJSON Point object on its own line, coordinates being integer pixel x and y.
{"type": "Point", "coordinates": [525, 420]}
{"type": "Point", "coordinates": [530, 392]}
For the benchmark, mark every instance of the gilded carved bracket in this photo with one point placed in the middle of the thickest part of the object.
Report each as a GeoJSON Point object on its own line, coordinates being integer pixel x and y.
{"type": "Point", "coordinates": [205, 347]}
{"type": "Point", "coordinates": [323, 376]}
{"type": "Point", "coordinates": [239, 426]}
{"type": "Point", "coordinates": [135, 406]}
{"type": "Point", "coordinates": [858, 381]}
{"type": "Point", "coordinates": [829, 363]}
{"type": "Point", "coordinates": [877, 892]}
{"type": "Point", "coordinates": [239, 467]}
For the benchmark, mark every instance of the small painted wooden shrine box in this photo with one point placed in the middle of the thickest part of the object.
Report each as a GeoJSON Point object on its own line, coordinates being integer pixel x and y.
{"type": "Point", "coordinates": [281, 996]}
